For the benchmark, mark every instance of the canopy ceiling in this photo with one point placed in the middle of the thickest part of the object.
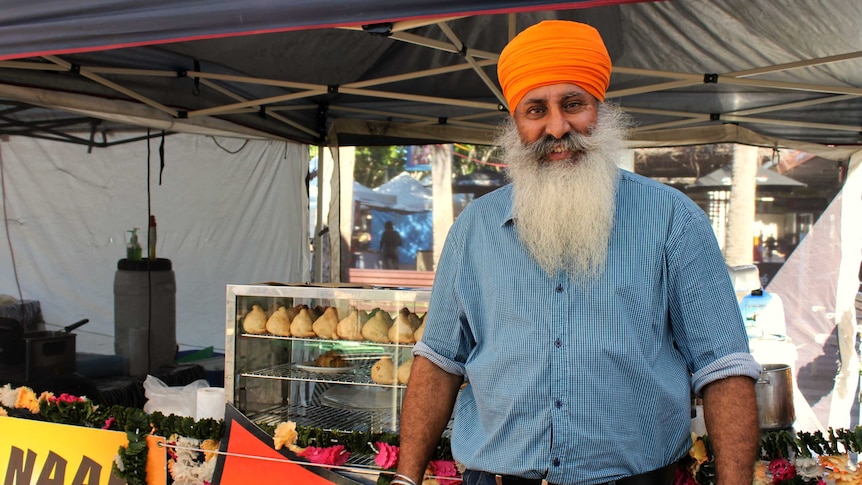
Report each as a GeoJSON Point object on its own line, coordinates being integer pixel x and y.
{"type": "Point", "coordinates": [781, 73]}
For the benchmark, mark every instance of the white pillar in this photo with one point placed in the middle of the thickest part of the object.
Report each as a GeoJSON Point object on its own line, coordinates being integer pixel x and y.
{"type": "Point", "coordinates": [441, 177]}
{"type": "Point", "coordinates": [739, 248]}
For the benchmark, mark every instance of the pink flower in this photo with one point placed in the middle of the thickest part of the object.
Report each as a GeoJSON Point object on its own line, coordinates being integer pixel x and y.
{"type": "Point", "coordinates": [781, 470]}
{"type": "Point", "coordinates": [333, 455]}
{"type": "Point", "coordinates": [444, 468]}
{"type": "Point", "coordinates": [388, 455]}
{"type": "Point", "coordinates": [109, 422]}
{"type": "Point", "coordinates": [68, 398]}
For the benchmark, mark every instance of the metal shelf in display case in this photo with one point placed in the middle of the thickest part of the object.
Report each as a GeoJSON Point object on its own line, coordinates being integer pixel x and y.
{"type": "Point", "coordinates": [273, 378]}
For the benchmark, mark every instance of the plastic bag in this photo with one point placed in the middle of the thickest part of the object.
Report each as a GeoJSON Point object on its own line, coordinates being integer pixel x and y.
{"type": "Point", "coordinates": [179, 400]}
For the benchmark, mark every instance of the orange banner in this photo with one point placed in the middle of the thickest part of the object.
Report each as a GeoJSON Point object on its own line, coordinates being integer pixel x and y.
{"type": "Point", "coordinates": [248, 456]}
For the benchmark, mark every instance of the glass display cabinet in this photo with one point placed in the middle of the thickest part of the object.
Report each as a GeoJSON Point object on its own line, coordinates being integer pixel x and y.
{"type": "Point", "coordinates": [336, 358]}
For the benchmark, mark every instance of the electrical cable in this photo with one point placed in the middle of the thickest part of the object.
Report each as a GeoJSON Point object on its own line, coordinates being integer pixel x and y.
{"type": "Point", "coordinates": [161, 164]}
{"type": "Point", "coordinates": [480, 162]}
{"type": "Point", "coordinates": [9, 236]}
{"type": "Point", "coordinates": [229, 151]}
{"type": "Point", "coordinates": [470, 159]}
{"type": "Point", "coordinates": [149, 269]}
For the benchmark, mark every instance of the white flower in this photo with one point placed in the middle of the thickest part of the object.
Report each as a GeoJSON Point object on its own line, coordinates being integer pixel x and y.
{"type": "Point", "coordinates": [8, 396]}
{"type": "Point", "coordinates": [808, 467]}
{"type": "Point", "coordinates": [189, 467]}
{"type": "Point", "coordinates": [119, 463]}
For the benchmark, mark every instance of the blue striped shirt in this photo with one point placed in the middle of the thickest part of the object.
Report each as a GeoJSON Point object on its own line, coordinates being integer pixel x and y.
{"type": "Point", "coordinates": [583, 382]}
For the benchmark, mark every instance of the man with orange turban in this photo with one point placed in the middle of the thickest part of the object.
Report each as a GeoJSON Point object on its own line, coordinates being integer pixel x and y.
{"type": "Point", "coordinates": [576, 310]}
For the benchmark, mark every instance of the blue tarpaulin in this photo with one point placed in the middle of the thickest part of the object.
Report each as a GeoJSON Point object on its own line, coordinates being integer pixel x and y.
{"type": "Point", "coordinates": [416, 229]}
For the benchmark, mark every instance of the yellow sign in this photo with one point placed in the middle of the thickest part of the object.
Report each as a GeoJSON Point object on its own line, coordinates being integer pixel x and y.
{"type": "Point", "coordinates": [40, 453]}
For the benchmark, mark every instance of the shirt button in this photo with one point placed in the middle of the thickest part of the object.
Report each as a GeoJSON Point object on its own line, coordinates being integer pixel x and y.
{"type": "Point", "coordinates": [559, 288]}
{"type": "Point", "coordinates": [556, 462]}
{"type": "Point", "coordinates": [558, 343]}
{"type": "Point", "coordinates": [558, 403]}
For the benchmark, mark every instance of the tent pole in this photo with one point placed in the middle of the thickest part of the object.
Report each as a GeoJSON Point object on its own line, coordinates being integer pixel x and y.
{"type": "Point", "coordinates": [346, 160]}
{"type": "Point", "coordinates": [334, 216]}
{"type": "Point", "coordinates": [317, 272]}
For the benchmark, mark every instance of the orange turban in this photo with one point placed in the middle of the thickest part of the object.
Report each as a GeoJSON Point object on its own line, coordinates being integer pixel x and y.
{"type": "Point", "coordinates": [554, 52]}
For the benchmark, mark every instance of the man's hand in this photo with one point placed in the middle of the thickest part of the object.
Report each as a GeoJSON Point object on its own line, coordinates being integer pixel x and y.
{"type": "Point", "coordinates": [427, 408]}
{"type": "Point", "coordinates": [730, 413]}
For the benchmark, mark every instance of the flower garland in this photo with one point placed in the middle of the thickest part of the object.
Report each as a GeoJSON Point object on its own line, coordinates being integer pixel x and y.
{"type": "Point", "coordinates": [785, 459]}
{"type": "Point", "coordinates": [186, 464]}
{"type": "Point", "coordinates": [191, 460]}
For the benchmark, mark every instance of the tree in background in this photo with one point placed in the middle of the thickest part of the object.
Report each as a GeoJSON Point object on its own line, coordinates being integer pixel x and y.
{"type": "Point", "coordinates": [374, 166]}
{"type": "Point", "coordinates": [469, 158]}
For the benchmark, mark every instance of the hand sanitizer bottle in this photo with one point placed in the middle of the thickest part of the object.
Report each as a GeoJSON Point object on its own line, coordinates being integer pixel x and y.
{"type": "Point", "coordinates": [133, 248]}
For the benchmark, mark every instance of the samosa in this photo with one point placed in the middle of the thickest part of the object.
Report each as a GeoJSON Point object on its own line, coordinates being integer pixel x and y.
{"type": "Point", "coordinates": [383, 371]}
{"type": "Point", "coordinates": [324, 326]}
{"type": "Point", "coordinates": [293, 311]}
{"type": "Point", "coordinates": [301, 326]}
{"type": "Point", "coordinates": [377, 328]}
{"type": "Point", "coordinates": [350, 327]}
{"type": "Point", "coordinates": [279, 323]}
{"type": "Point", "coordinates": [315, 312]}
{"type": "Point", "coordinates": [401, 332]}
{"type": "Point", "coordinates": [255, 321]}
{"type": "Point", "coordinates": [417, 335]}
{"type": "Point", "coordinates": [404, 371]}
{"type": "Point", "coordinates": [419, 331]}
{"type": "Point", "coordinates": [415, 321]}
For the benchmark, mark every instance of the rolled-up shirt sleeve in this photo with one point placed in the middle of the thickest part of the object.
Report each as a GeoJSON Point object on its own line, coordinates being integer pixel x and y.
{"type": "Point", "coordinates": [738, 364]}
{"type": "Point", "coordinates": [423, 350]}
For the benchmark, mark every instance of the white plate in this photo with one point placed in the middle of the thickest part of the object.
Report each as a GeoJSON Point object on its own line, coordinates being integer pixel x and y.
{"type": "Point", "coordinates": [310, 367]}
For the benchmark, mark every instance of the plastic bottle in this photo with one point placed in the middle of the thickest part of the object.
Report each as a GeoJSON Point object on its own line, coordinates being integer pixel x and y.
{"type": "Point", "coordinates": [152, 238]}
{"type": "Point", "coordinates": [133, 248]}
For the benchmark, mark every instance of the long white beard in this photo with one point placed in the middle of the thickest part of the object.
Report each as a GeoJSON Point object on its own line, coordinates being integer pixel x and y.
{"type": "Point", "coordinates": [564, 211]}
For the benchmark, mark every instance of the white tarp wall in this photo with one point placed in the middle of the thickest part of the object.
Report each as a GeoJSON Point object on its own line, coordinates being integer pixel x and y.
{"type": "Point", "coordinates": [228, 211]}
{"type": "Point", "coordinates": [818, 285]}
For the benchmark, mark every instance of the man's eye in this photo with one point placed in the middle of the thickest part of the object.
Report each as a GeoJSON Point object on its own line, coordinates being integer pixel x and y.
{"type": "Point", "coordinates": [535, 110]}
{"type": "Point", "coordinates": [574, 105]}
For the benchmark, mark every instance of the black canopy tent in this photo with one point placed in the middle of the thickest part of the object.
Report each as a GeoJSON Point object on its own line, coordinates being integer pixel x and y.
{"type": "Point", "coordinates": [415, 72]}
{"type": "Point", "coordinates": [778, 74]}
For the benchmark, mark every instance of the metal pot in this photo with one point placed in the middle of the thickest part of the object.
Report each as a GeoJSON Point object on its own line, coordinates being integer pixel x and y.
{"type": "Point", "coordinates": [774, 391]}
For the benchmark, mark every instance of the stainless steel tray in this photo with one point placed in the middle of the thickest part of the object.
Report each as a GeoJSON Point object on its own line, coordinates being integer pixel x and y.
{"type": "Point", "coordinates": [362, 397]}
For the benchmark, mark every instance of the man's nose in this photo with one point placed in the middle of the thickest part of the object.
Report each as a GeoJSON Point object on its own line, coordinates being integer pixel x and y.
{"type": "Point", "coordinates": [557, 125]}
